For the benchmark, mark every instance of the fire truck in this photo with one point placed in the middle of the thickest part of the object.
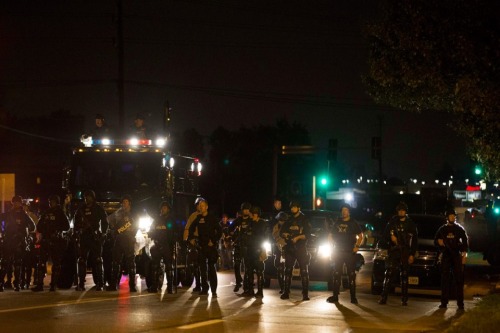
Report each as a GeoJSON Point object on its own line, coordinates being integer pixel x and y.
{"type": "Point", "coordinates": [143, 169]}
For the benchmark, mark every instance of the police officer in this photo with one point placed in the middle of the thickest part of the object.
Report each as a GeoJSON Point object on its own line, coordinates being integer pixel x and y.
{"type": "Point", "coordinates": [101, 129]}
{"type": "Point", "coordinates": [239, 235]}
{"type": "Point", "coordinates": [346, 236]}
{"type": "Point", "coordinates": [139, 129]}
{"type": "Point", "coordinates": [401, 239]}
{"type": "Point", "coordinates": [31, 258]}
{"type": "Point", "coordinates": [226, 248]}
{"type": "Point", "coordinates": [208, 232]}
{"type": "Point", "coordinates": [164, 234]}
{"type": "Point", "coordinates": [50, 235]}
{"type": "Point", "coordinates": [256, 252]}
{"type": "Point", "coordinates": [296, 231]}
{"type": "Point", "coordinates": [16, 230]}
{"type": "Point", "coordinates": [279, 258]}
{"type": "Point", "coordinates": [192, 267]}
{"type": "Point", "coordinates": [124, 227]}
{"type": "Point", "coordinates": [90, 227]}
{"type": "Point", "coordinates": [453, 244]}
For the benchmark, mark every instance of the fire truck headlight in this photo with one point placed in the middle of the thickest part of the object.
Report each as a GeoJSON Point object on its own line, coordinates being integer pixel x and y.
{"type": "Point", "coordinates": [105, 142]}
{"type": "Point", "coordinates": [267, 247]}
{"type": "Point", "coordinates": [160, 142]}
{"type": "Point", "coordinates": [199, 167]}
{"type": "Point", "coordinates": [325, 250]}
{"type": "Point", "coordinates": [133, 142]}
{"type": "Point", "coordinates": [145, 223]}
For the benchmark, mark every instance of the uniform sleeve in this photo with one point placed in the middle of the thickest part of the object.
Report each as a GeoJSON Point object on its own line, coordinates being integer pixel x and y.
{"type": "Point", "coordinates": [192, 229]}
{"type": "Point", "coordinates": [104, 220]}
{"type": "Point", "coordinates": [384, 241]}
{"type": "Point", "coordinates": [64, 223]}
{"type": "Point", "coordinates": [414, 240]}
{"type": "Point", "coordinates": [465, 241]}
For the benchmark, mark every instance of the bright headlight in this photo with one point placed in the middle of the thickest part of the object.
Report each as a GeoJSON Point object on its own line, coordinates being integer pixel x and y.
{"type": "Point", "coordinates": [160, 142]}
{"type": "Point", "coordinates": [267, 246]}
{"type": "Point", "coordinates": [105, 142]}
{"type": "Point", "coordinates": [145, 223]}
{"type": "Point", "coordinates": [325, 250]}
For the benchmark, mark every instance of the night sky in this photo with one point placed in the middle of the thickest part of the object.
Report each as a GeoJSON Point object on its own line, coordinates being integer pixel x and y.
{"type": "Point", "coordinates": [219, 63]}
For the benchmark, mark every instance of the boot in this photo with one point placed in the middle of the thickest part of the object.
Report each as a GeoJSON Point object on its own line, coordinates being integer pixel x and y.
{"type": "Point", "coordinates": [40, 275]}
{"type": "Point", "coordinates": [99, 275]}
{"type": "Point", "coordinates": [28, 275]}
{"type": "Point", "coordinates": [352, 288]}
{"type": "Point", "coordinates": [286, 284]}
{"type": "Point", "coordinates": [115, 277]}
{"type": "Point", "coordinates": [131, 280]}
{"type": "Point", "coordinates": [153, 288]}
{"type": "Point", "coordinates": [385, 289]}
{"type": "Point", "coordinates": [82, 272]}
{"type": "Point", "coordinates": [260, 285]}
{"type": "Point", "coordinates": [56, 271]}
{"type": "Point", "coordinates": [404, 293]}
{"type": "Point", "coordinates": [281, 281]}
{"type": "Point", "coordinates": [17, 277]}
{"type": "Point", "coordinates": [170, 282]}
{"type": "Point", "coordinates": [305, 287]}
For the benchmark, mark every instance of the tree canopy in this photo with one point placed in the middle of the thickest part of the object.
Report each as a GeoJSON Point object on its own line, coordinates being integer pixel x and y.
{"type": "Point", "coordinates": [442, 56]}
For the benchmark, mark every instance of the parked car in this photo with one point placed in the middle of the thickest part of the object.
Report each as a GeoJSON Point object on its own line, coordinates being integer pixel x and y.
{"type": "Point", "coordinates": [425, 272]}
{"type": "Point", "coordinates": [320, 267]}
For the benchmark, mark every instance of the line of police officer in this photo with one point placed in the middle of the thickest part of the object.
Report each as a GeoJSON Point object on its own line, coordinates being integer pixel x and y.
{"type": "Point", "coordinates": [92, 228]}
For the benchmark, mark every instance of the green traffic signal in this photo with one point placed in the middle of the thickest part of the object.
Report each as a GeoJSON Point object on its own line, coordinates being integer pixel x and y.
{"type": "Point", "coordinates": [478, 170]}
{"type": "Point", "coordinates": [324, 181]}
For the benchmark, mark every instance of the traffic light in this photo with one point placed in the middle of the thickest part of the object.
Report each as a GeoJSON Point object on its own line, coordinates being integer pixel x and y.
{"type": "Point", "coordinates": [478, 170]}
{"type": "Point", "coordinates": [332, 150]}
{"type": "Point", "coordinates": [324, 181]}
{"type": "Point", "coordinates": [376, 147]}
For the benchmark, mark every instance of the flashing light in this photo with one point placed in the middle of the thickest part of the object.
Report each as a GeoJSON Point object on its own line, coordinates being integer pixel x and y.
{"type": "Point", "coordinates": [145, 223]}
{"type": "Point", "coordinates": [160, 142]}
{"type": "Point", "coordinates": [267, 247]}
{"type": "Point", "coordinates": [348, 197]}
{"type": "Point", "coordinates": [325, 250]}
{"type": "Point", "coordinates": [137, 142]}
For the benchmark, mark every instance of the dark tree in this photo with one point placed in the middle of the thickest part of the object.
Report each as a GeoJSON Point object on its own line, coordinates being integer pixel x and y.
{"type": "Point", "coordinates": [443, 56]}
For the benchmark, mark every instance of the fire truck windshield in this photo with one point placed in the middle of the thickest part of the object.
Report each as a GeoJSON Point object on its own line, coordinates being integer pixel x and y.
{"type": "Point", "coordinates": [117, 172]}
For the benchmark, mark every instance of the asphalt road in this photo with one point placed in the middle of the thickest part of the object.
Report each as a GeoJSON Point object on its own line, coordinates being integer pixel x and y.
{"type": "Point", "coordinates": [91, 311]}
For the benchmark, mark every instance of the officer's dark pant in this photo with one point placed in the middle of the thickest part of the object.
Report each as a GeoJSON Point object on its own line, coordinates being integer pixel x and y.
{"type": "Point", "coordinates": [90, 244]}
{"type": "Point", "coordinates": [124, 249]}
{"type": "Point", "coordinates": [55, 250]}
{"type": "Point", "coordinates": [13, 254]}
{"type": "Point", "coordinates": [394, 264]}
{"type": "Point", "coordinates": [349, 259]}
{"type": "Point", "coordinates": [193, 265]}
{"type": "Point", "coordinates": [280, 269]}
{"type": "Point", "coordinates": [207, 259]}
{"type": "Point", "coordinates": [165, 252]}
{"type": "Point", "coordinates": [452, 264]}
{"type": "Point", "coordinates": [237, 265]}
{"type": "Point", "coordinates": [302, 257]}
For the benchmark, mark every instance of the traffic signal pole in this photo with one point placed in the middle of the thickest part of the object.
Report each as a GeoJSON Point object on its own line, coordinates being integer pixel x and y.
{"type": "Point", "coordinates": [314, 194]}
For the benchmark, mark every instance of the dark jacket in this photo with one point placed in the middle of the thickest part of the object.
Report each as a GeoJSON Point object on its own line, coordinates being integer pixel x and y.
{"type": "Point", "coordinates": [405, 232]}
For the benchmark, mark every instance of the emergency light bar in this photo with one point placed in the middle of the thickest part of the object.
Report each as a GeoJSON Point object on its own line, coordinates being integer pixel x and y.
{"type": "Point", "coordinates": [133, 142]}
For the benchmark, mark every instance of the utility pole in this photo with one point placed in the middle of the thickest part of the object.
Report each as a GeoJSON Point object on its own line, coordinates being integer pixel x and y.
{"type": "Point", "coordinates": [120, 81]}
